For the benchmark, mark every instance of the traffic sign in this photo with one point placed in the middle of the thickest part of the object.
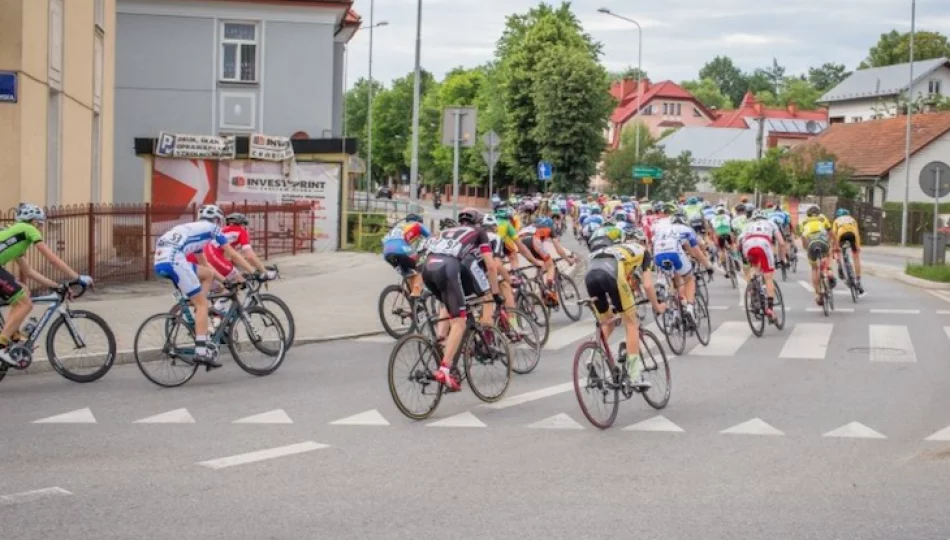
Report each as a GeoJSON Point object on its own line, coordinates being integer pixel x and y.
{"type": "Point", "coordinates": [467, 120]}
{"type": "Point", "coordinates": [931, 174]}
{"type": "Point", "coordinates": [491, 157]}
{"type": "Point", "coordinates": [545, 171]}
{"type": "Point", "coordinates": [825, 168]}
{"type": "Point", "coordinates": [646, 180]}
{"type": "Point", "coordinates": [647, 172]}
{"type": "Point", "coordinates": [491, 140]}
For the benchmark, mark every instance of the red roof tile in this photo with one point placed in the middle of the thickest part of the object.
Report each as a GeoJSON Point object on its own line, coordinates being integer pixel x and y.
{"type": "Point", "coordinates": [664, 89]}
{"type": "Point", "coordinates": [751, 108]}
{"type": "Point", "coordinates": [874, 148]}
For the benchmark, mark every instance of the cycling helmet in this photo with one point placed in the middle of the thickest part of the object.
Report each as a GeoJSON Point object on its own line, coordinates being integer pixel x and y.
{"type": "Point", "coordinates": [759, 214]}
{"type": "Point", "coordinates": [210, 212]}
{"type": "Point", "coordinates": [416, 218]}
{"type": "Point", "coordinates": [29, 212]}
{"type": "Point", "coordinates": [489, 221]}
{"type": "Point", "coordinates": [692, 200]}
{"type": "Point", "coordinates": [679, 217]}
{"type": "Point", "coordinates": [544, 222]}
{"type": "Point", "coordinates": [595, 210]}
{"type": "Point", "coordinates": [237, 218]}
{"type": "Point", "coordinates": [842, 212]}
{"type": "Point", "coordinates": [624, 198]}
{"type": "Point", "coordinates": [447, 223]}
{"type": "Point", "coordinates": [639, 235]}
{"type": "Point", "coordinates": [648, 211]}
{"type": "Point", "coordinates": [721, 210]}
{"type": "Point", "coordinates": [744, 199]}
{"type": "Point", "coordinates": [707, 204]}
{"type": "Point", "coordinates": [503, 212]}
{"type": "Point", "coordinates": [555, 211]}
{"type": "Point", "coordinates": [813, 211]}
{"type": "Point", "coordinates": [740, 208]}
{"type": "Point", "coordinates": [470, 215]}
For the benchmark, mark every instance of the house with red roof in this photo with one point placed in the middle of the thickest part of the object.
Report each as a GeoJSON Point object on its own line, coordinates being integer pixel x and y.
{"type": "Point", "coordinates": [784, 127]}
{"type": "Point", "coordinates": [663, 105]}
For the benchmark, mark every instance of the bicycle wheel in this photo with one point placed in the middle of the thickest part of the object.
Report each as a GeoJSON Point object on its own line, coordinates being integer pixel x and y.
{"type": "Point", "coordinates": [85, 351]}
{"type": "Point", "coordinates": [701, 288]}
{"type": "Point", "coordinates": [778, 307]}
{"type": "Point", "coordinates": [675, 326]}
{"type": "Point", "coordinates": [753, 308]}
{"type": "Point", "coordinates": [532, 304]}
{"type": "Point", "coordinates": [656, 370]}
{"type": "Point", "coordinates": [395, 311]}
{"type": "Point", "coordinates": [281, 310]}
{"type": "Point", "coordinates": [849, 274]}
{"type": "Point", "coordinates": [487, 363]}
{"type": "Point", "coordinates": [703, 324]}
{"type": "Point", "coordinates": [597, 394]}
{"type": "Point", "coordinates": [733, 272]}
{"type": "Point", "coordinates": [164, 344]}
{"type": "Point", "coordinates": [412, 363]}
{"type": "Point", "coordinates": [569, 296]}
{"type": "Point", "coordinates": [784, 272]}
{"type": "Point", "coordinates": [823, 293]}
{"type": "Point", "coordinates": [524, 339]}
{"type": "Point", "coordinates": [262, 334]}
{"type": "Point", "coordinates": [831, 297]}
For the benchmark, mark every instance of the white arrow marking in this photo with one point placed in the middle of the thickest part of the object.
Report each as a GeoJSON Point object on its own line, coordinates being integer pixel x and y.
{"type": "Point", "coordinates": [79, 416]}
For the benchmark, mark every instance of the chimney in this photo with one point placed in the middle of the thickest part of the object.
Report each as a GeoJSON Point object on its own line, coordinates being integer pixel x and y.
{"type": "Point", "coordinates": [644, 85]}
{"type": "Point", "coordinates": [757, 107]}
{"type": "Point", "coordinates": [627, 87]}
{"type": "Point", "coordinates": [792, 108]}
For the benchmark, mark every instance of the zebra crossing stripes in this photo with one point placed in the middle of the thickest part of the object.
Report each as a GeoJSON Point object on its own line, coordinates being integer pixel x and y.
{"type": "Point", "coordinates": [890, 343]}
{"type": "Point", "coordinates": [726, 340]}
{"type": "Point", "coordinates": [808, 340]}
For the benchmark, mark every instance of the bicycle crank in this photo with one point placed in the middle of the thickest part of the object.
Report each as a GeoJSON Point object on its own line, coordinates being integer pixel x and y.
{"type": "Point", "coordinates": [22, 355]}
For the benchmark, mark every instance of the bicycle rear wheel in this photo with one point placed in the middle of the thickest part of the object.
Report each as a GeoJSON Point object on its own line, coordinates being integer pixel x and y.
{"type": "Point", "coordinates": [281, 310]}
{"type": "Point", "coordinates": [778, 307]}
{"type": "Point", "coordinates": [487, 363]}
{"type": "Point", "coordinates": [395, 311]}
{"type": "Point", "coordinates": [569, 296]}
{"type": "Point", "coordinates": [594, 386]}
{"type": "Point", "coordinates": [162, 348]}
{"type": "Point", "coordinates": [754, 311]}
{"type": "Point", "coordinates": [823, 293]}
{"type": "Point", "coordinates": [262, 334]}
{"type": "Point", "coordinates": [675, 326]}
{"type": "Point", "coordinates": [703, 324]}
{"type": "Point", "coordinates": [85, 351]}
{"type": "Point", "coordinates": [656, 370]}
{"type": "Point", "coordinates": [524, 340]}
{"type": "Point", "coordinates": [532, 305]}
{"type": "Point", "coordinates": [412, 363]}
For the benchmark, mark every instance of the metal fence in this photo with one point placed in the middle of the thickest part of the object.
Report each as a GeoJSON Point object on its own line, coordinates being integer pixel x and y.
{"type": "Point", "coordinates": [115, 243]}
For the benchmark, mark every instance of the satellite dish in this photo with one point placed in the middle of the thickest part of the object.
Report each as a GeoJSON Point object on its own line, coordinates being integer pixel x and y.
{"type": "Point", "coordinates": [811, 126]}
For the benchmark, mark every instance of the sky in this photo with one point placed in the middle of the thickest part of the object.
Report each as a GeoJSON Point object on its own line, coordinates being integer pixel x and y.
{"type": "Point", "coordinates": [679, 36]}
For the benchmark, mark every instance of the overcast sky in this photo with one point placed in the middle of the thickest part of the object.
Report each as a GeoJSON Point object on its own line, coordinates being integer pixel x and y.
{"type": "Point", "coordinates": [679, 35]}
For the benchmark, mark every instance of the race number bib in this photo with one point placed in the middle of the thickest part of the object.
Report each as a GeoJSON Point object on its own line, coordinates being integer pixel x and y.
{"type": "Point", "coordinates": [446, 246]}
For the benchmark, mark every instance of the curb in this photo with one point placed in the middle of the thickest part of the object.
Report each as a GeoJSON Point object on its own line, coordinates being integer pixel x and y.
{"type": "Point", "coordinates": [899, 275]}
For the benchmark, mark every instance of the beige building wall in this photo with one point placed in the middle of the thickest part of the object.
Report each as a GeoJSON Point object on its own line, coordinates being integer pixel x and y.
{"type": "Point", "coordinates": [24, 136]}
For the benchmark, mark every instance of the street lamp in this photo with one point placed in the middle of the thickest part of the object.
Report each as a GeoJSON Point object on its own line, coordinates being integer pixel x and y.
{"type": "Point", "coordinates": [910, 113]}
{"type": "Point", "coordinates": [369, 112]}
{"type": "Point", "coordinates": [346, 68]}
{"type": "Point", "coordinates": [416, 97]}
{"type": "Point", "coordinates": [606, 11]}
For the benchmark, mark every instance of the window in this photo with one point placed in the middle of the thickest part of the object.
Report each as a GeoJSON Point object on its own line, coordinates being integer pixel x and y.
{"type": "Point", "coordinates": [101, 14]}
{"type": "Point", "coordinates": [679, 109]}
{"type": "Point", "coordinates": [666, 108]}
{"type": "Point", "coordinates": [97, 61]}
{"type": "Point", "coordinates": [53, 146]}
{"type": "Point", "coordinates": [239, 52]}
{"type": "Point", "coordinates": [696, 113]}
{"type": "Point", "coordinates": [56, 44]}
{"type": "Point", "coordinates": [855, 119]}
{"type": "Point", "coordinates": [95, 190]}
{"type": "Point", "coordinates": [648, 110]}
{"type": "Point", "coordinates": [933, 87]}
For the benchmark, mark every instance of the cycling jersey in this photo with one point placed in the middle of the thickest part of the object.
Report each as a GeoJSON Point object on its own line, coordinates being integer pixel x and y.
{"type": "Point", "coordinates": [709, 213]}
{"type": "Point", "coordinates": [607, 276]}
{"type": "Point", "coordinates": [605, 236]}
{"type": "Point", "coordinates": [461, 242]}
{"type": "Point", "coordinates": [404, 238]}
{"type": "Point", "coordinates": [174, 246]}
{"type": "Point", "coordinates": [845, 229]}
{"type": "Point", "coordinates": [739, 223]}
{"type": "Point", "coordinates": [16, 239]}
{"type": "Point", "coordinates": [756, 241]}
{"type": "Point", "coordinates": [508, 234]}
{"type": "Point", "coordinates": [722, 224]}
{"type": "Point", "coordinates": [668, 246]}
{"type": "Point", "coordinates": [238, 238]}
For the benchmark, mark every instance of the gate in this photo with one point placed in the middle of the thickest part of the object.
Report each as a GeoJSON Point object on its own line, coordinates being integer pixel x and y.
{"type": "Point", "coordinates": [869, 217]}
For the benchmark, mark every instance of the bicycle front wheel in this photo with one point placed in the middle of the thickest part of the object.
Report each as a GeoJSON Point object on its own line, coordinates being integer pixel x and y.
{"type": "Point", "coordinates": [163, 348]}
{"type": "Point", "coordinates": [569, 297]}
{"type": "Point", "coordinates": [532, 305]}
{"type": "Point", "coordinates": [412, 363]}
{"type": "Point", "coordinates": [597, 394]}
{"type": "Point", "coordinates": [674, 325]}
{"type": "Point", "coordinates": [778, 308]}
{"type": "Point", "coordinates": [257, 331]}
{"type": "Point", "coordinates": [395, 311]}
{"type": "Point", "coordinates": [487, 360]}
{"type": "Point", "coordinates": [703, 324]}
{"type": "Point", "coordinates": [281, 310]}
{"type": "Point", "coordinates": [524, 338]}
{"type": "Point", "coordinates": [656, 370]}
{"type": "Point", "coordinates": [85, 351]}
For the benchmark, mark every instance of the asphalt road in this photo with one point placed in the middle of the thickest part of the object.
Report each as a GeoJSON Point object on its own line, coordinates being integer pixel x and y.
{"type": "Point", "coordinates": [833, 416]}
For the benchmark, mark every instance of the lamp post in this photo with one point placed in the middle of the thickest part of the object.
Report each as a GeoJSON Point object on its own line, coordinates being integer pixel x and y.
{"type": "Point", "coordinates": [369, 111]}
{"type": "Point", "coordinates": [346, 70]}
{"type": "Point", "coordinates": [416, 97]}
{"type": "Point", "coordinates": [910, 113]}
{"type": "Point", "coordinates": [606, 11]}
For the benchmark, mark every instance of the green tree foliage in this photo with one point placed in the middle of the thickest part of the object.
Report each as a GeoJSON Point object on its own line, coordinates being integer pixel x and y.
{"type": "Point", "coordinates": [678, 174]}
{"type": "Point", "coordinates": [827, 76]}
{"type": "Point", "coordinates": [894, 48]}
{"type": "Point", "coordinates": [774, 75]}
{"type": "Point", "coordinates": [801, 92]}
{"type": "Point", "coordinates": [785, 173]}
{"type": "Point", "coordinates": [630, 73]}
{"type": "Point", "coordinates": [708, 92]}
{"type": "Point", "coordinates": [357, 105]}
{"type": "Point", "coordinates": [728, 77]}
{"type": "Point", "coordinates": [392, 125]}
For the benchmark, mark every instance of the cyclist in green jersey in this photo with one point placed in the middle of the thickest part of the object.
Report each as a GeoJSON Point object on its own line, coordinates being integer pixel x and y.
{"type": "Point", "coordinates": [738, 226]}
{"type": "Point", "coordinates": [15, 241]}
{"type": "Point", "coordinates": [722, 227]}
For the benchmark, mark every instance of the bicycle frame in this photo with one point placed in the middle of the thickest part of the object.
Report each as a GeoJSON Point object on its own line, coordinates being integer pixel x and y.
{"type": "Point", "coordinates": [57, 306]}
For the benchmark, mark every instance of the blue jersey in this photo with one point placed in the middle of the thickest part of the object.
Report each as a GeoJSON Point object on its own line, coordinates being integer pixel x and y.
{"type": "Point", "coordinates": [708, 213]}
{"type": "Point", "coordinates": [780, 218]}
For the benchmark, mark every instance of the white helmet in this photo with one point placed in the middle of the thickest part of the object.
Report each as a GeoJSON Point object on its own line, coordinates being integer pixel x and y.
{"type": "Point", "coordinates": [29, 212]}
{"type": "Point", "coordinates": [211, 212]}
{"type": "Point", "coordinates": [489, 221]}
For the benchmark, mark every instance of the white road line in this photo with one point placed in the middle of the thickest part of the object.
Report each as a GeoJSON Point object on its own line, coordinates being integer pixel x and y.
{"type": "Point", "coordinates": [756, 426]}
{"type": "Point", "coordinates": [178, 416]}
{"type": "Point", "coordinates": [941, 295]}
{"type": "Point", "coordinates": [726, 340]}
{"type": "Point", "coordinates": [465, 420]}
{"type": "Point", "coordinates": [807, 286]}
{"type": "Point", "coordinates": [836, 310]}
{"type": "Point", "coordinates": [381, 338]}
{"type": "Point", "coordinates": [79, 416]}
{"type": "Point", "coordinates": [741, 290]}
{"type": "Point", "coordinates": [261, 455]}
{"type": "Point", "coordinates": [808, 340]}
{"type": "Point", "coordinates": [896, 311]}
{"type": "Point", "coordinates": [854, 430]}
{"type": "Point", "coordinates": [558, 421]}
{"type": "Point", "coordinates": [942, 435]}
{"type": "Point", "coordinates": [943, 312]}
{"type": "Point", "coordinates": [890, 343]}
{"type": "Point", "coordinates": [277, 416]}
{"type": "Point", "coordinates": [32, 496]}
{"type": "Point", "coordinates": [569, 334]}
{"type": "Point", "coordinates": [718, 308]}
{"type": "Point", "coordinates": [371, 417]}
{"type": "Point", "coordinates": [527, 397]}
{"type": "Point", "coordinates": [657, 423]}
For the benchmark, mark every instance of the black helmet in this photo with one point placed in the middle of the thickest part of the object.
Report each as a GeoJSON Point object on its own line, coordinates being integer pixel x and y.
{"type": "Point", "coordinates": [471, 215]}
{"type": "Point", "coordinates": [447, 223]}
{"type": "Point", "coordinates": [813, 211]}
{"type": "Point", "coordinates": [237, 218]}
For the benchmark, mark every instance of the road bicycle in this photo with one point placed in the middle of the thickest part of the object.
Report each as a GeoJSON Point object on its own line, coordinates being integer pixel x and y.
{"type": "Point", "coordinates": [734, 266]}
{"type": "Point", "coordinates": [67, 356]}
{"type": "Point", "coordinates": [675, 323]}
{"type": "Point", "coordinates": [756, 301]}
{"type": "Point", "coordinates": [524, 338]}
{"type": "Point", "coordinates": [563, 295]}
{"type": "Point", "coordinates": [824, 288]}
{"type": "Point", "coordinates": [601, 382]}
{"type": "Point", "coordinates": [848, 272]}
{"type": "Point", "coordinates": [416, 357]}
{"type": "Point", "coordinates": [396, 310]}
{"type": "Point", "coordinates": [532, 304]}
{"type": "Point", "coordinates": [173, 350]}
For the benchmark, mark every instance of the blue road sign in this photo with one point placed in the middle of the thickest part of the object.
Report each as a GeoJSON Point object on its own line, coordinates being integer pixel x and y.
{"type": "Point", "coordinates": [545, 171]}
{"type": "Point", "coordinates": [825, 168]}
{"type": "Point", "coordinates": [8, 87]}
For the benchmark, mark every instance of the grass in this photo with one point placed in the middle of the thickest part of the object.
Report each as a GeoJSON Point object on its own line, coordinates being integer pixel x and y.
{"type": "Point", "coordinates": [932, 273]}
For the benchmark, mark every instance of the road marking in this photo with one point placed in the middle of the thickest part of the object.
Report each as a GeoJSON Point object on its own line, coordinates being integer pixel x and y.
{"type": "Point", "coordinates": [726, 340]}
{"type": "Point", "coordinates": [558, 421]}
{"type": "Point", "coordinates": [382, 338]}
{"type": "Point", "coordinates": [890, 343]}
{"type": "Point", "coordinates": [277, 416]}
{"type": "Point", "coordinates": [657, 423]}
{"type": "Point", "coordinates": [943, 312]}
{"type": "Point", "coordinates": [808, 340]}
{"type": "Point", "coordinates": [531, 396]}
{"type": "Point", "coordinates": [32, 496]}
{"type": "Point", "coordinates": [262, 455]}
{"type": "Point", "coordinates": [837, 309]}
{"type": "Point", "coordinates": [756, 426]}
{"type": "Point", "coordinates": [465, 419]}
{"type": "Point", "coordinates": [941, 295]}
{"type": "Point", "coordinates": [942, 435]}
{"type": "Point", "coordinates": [178, 416]}
{"type": "Point", "coordinates": [741, 290]}
{"type": "Point", "coordinates": [807, 286]}
{"type": "Point", "coordinates": [79, 416]}
{"type": "Point", "coordinates": [718, 308]}
{"type": "Point", "coordinates": [569, 334]}
{"type": "Point", "coordinates": [371, 417]}
{"type": "Point", "coordinates": [946, 330]}
{"type": "Point", "coordinates": [854, 430]}
{"type": "Point", "coordinates": [896, 311]}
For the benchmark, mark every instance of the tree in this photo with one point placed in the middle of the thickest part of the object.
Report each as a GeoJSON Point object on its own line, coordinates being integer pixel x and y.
{"type": "Point", "coordinates": [767, 98]}
{"type": "Point", "coordinates": [827, 76]}
{"type": "Point", "coordinates": [759, 82]}
{"type": "Point", "coordinates": [799, 165]}
{"type": "Point", "coordinates": [631, 73]}
{"type": "Point", "coordinates": [727, 76]}
{"type": "Point", "coordinates": [357, 105]}
{"type": "Point", "coordinates": [734, 176]}
{"type": "Point", "coordinates": [392, 125]}
{"type": "Point", "coordinates": [800, 92]}
{"type": "Point", "coordinates": [618, 163]}
{"type": "Point", "coordinates": [708, 92]}
{"type": "Point", "coordinates": [678, 176]}
{"type": "Point", "coordinates": [774, 75]}
{"type": "Point", "coordinates": [894, 48]}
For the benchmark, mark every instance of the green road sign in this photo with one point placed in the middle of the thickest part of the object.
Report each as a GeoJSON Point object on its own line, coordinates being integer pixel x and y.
{"type": "Point", "coordinates": [647, 172]}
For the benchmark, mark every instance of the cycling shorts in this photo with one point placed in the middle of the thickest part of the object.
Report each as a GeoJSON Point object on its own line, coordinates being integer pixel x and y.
{"type": "Point", "coordinates": [608, 287]}
{"type": "Point", "coordinates": [759, 253]}
{"type": "Point", "coordinates": [182, 273]}
{"type": "Point", "coordinates": [725, 241]}
{"type": "Point", "coordinates": [536, 247]}
{"type": "Point", "coordinates": [452, 280]}
{"type": "Point", "coordinates": [851, 238]}
{"type": "Point", "coordinates": [678, 261]}
{"type": "Point", "coordinates": [818, 247]}
{"type": "Point", "coordinates": [403, 263]}
{"type": "Point", "coordinates": [10, 289]}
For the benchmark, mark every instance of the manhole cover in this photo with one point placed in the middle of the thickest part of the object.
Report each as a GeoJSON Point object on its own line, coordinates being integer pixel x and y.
{"type": "Point", "coordinates": [878, 350]}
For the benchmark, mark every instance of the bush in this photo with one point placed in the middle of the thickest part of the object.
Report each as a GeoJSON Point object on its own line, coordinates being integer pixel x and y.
{"type": "Point", "coordinates": [939, 273]}
{"type": "Point", "coordinates": [920, 218]}
{"type": "Point", "coordinates": [370, 236]}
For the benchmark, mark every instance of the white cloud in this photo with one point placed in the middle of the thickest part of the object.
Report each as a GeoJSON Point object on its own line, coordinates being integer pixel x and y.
{"type": "Point", "coordinates": [740, 38]}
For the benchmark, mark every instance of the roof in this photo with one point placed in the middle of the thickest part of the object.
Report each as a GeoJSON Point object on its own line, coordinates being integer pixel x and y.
{"type": "Point", "coordinates": [751, 107]}
{"type": "Point", "coordinates": [711, 147]}
{"type": "Point", "coordinates": [881, 81]}
{"type": "Point", "coordinates": [873, 148]}
{"type": "Point", "coordinates": [664, 89]}
{"type": "Point", "coordinates": [798, 125]}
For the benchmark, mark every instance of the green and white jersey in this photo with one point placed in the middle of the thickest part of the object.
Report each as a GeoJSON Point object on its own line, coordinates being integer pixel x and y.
{"type": "Point", "coordinates": [16, 239]}
{"type": "Point", "coordinates": [722, 224]}
{"type": "Point", "coordinates": [739, 223]}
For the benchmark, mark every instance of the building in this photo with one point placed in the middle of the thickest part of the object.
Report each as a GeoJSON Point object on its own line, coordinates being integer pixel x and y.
{"type": "Point", "coordinates": [870, 94]}
{"type": "Point", "coordinates": [875, 150]}
{"type": "Point", "coordinates": [56, 101]}
{"type": "Point", "coordinates": [750, 109]}
{"type": "Point", "coordinates": [711, 147]}
{"type": "Point", "coordinates": [664, 105]}
{"type": "Point", "coordinates": [226, 67]}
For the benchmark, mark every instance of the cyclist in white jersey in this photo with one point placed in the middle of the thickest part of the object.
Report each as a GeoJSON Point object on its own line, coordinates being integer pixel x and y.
{"type": "Point", "coordinates": [194, 281]}
{"type": "Point", "coordinates": [757, 239]}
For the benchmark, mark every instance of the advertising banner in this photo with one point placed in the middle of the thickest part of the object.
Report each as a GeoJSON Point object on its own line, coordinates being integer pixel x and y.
{"type": "Point", "coordinates": [172, 145]}
{"type": "Point", "coordinates": [268, 148]}
{"type": "Point", "coordinates": [179, 183]}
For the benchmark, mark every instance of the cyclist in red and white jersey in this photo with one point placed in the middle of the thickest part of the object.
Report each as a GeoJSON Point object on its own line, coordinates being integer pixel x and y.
{"type": "Point", "coordinates": [235, 230]}
{"type": "Point", "coordinates": [757, 240]}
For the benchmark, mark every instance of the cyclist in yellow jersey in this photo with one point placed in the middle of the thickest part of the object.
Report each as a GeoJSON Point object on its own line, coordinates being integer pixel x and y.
{"type": "Point", "coordinates": [511, 246]}
{"type": "Point", "coordinates": [818, 242]}
{"type": "Point", "coordinates": [845, 230]}
{"type": "Point", "coordinates": [611, 275]}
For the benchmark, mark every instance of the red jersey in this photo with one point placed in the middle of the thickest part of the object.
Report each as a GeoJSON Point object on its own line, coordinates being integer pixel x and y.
{"type": "Point", "coordinates": [237, 238]}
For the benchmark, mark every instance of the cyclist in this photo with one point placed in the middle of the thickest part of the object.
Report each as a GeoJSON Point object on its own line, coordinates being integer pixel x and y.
{"type": "Point", "coordinates": [783, 222]}
{"type": "Point", "coordinates": [816, 239]}
{"type": "Point", "coordinates": [533, 237]}
{"type": "Point", "coordinates": [453, 270]}
{"type": "Point", "coordinates": [672, 243]}
{"type": "Point", "coordinates": [721, 225]}
{"type": "Point", "coordinates": [694, 214]}
{"type": "Point", "coordinates": [756, 240]}
{"type": "Point", "coordinates": [611, 273]}
{"type": "Point", "coordinates": [194, 281]}
{"type": "Point", "coordinates": [15, 241]}
{"type": "Point", "coordinates": [593, 221]}
{"type": "Point", "coordinates": [401, 249]}
{"type": "Point", "coordinates": [508, 232]}
{"type": "Point", "coordinates": [845, 229]}
{"type": "Point", "coordinates": [607, 235]}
